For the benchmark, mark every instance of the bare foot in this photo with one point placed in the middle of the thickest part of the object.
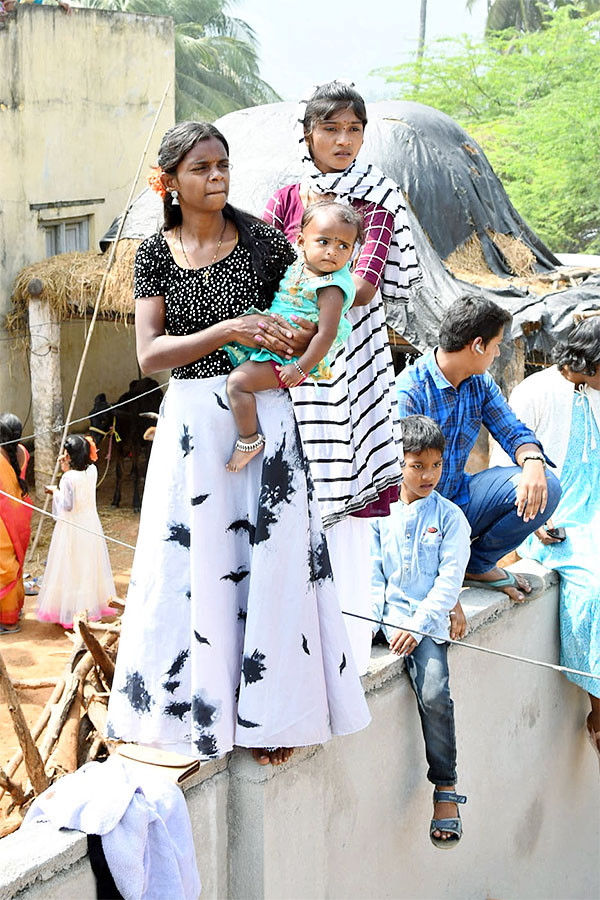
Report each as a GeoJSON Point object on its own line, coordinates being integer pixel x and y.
{"type": "Point", "coordinates": [261, 756]}
{"type": "Point", "coordinates": [443, 810]}
{"type": "Point", "coordinates": [241, 457]}
{"type": "Point", "coordinates": [280, 755]}
{"type": "Point", "coordinates": [273, 755]}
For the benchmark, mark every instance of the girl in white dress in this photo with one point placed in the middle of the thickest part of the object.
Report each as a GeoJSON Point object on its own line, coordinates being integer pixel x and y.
{"type": "Point", "coordinates": [78, 575]}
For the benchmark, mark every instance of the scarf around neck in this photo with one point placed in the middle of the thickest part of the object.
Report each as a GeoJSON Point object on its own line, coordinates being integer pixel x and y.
{"type": "Point", "coordinates": [368, 183]}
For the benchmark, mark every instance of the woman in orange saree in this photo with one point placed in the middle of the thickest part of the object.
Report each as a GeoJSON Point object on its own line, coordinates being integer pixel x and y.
{"type": "Point", "coordinates": [15, 522]}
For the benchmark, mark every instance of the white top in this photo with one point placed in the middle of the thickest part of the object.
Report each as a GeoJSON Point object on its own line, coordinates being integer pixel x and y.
{"type": "Point", "coordinates": [544, 402]}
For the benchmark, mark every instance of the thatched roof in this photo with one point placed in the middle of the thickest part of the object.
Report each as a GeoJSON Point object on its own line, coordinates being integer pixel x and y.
{"type": "Point", "coordinates": [71, 282]}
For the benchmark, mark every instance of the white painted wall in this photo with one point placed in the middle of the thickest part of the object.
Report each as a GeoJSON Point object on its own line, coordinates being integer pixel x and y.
{"type": "Point", "coordinates": [350, 819]}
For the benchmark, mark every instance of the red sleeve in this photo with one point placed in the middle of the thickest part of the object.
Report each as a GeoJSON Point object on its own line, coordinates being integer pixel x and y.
{"type": "Point", "coordinates": [379, 229]}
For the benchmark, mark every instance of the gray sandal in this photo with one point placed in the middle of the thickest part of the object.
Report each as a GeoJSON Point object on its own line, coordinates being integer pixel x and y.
{"type": "Point", "coordinates": [454, 826]}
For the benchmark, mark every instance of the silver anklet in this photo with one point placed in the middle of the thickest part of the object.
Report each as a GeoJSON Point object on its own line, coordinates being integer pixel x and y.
{"type": "Point", "coordinates": [300, 369]}
{"type": "Point", "coordinates": [248, 448]}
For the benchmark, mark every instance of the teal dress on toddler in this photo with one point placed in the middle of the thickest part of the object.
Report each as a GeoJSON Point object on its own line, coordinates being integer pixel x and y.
{"type": "Point", "coordinates": [298, 295]}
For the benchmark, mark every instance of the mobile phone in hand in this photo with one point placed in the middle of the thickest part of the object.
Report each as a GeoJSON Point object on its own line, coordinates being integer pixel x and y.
{"type": "Point", "coordinates": [559, 534]}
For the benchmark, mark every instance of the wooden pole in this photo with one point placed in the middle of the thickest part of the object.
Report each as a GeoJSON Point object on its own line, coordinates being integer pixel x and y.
{"type": "Point", "coordinates": [31, 754]}
{"type": "Point", "coordinates": [88, 339]}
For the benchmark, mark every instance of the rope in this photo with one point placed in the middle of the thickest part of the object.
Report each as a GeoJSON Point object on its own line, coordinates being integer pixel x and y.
{"type": "Point", "coordinates": [100, 412]}
{"type": "Point", "coordinates": [439, 637]}
{"type": "Point", "coordinates": [44, 512]}
{"type": "Point", "coordinates": [448, 640]}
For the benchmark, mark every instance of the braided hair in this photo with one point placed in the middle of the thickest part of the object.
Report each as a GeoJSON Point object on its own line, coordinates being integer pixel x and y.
{"type": "Point", "coordinates": [11, 429]}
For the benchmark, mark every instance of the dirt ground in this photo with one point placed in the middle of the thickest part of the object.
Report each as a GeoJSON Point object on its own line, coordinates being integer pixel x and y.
{"type": "Point", "coordinates": [40, 650]}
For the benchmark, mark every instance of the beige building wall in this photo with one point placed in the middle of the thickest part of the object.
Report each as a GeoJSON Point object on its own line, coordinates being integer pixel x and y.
{"type": "Point", "coordinates": [78, 95]}
{"type": "Point", "coordinates": [350, 820]}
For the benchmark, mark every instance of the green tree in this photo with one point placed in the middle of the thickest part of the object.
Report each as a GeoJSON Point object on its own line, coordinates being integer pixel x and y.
{"type": "Point", "coordinates": [216, 56]}
{"type": "Point", "coordinates": [527, 15]}
{"type": "Point", "coordinates": [532, 100]}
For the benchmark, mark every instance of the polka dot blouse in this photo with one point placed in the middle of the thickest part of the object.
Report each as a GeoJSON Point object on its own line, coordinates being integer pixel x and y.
{"type": "Point", "coordinates": [192, 304]}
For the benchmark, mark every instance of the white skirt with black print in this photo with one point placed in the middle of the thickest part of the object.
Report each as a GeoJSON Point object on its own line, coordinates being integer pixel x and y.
{"type": "Point", "coordinates": [232, 633]}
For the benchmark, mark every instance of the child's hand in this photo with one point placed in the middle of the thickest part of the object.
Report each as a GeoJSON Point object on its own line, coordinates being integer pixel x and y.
{"type": "Point", "coordinates": [51, 489]}
{"type": "Point", "coordinates": [289, 375]}
{"type": "Point", "coordinates": [458, 622]}
{"type": "Point", "coordinates": [402, 643]}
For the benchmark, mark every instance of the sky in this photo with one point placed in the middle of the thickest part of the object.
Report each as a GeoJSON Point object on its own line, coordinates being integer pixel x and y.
{"type": "Point", "coordinates": [306, 42]}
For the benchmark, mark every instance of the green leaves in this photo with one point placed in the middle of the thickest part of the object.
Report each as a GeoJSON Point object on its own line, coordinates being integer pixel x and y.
{"type": "Point", "coordinates": [532, 100]}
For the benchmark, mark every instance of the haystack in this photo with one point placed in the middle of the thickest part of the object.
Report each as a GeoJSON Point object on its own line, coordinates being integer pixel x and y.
{"type": "Point", "coordinates": [71, 282]}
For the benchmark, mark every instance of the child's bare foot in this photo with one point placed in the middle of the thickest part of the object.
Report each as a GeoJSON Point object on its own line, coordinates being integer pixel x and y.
{"type": "Point", "coordinates": [245, 449]}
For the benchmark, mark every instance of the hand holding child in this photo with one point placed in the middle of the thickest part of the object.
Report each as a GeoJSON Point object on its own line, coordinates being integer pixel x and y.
{"type": "Point", "coordinates": [402, 643]}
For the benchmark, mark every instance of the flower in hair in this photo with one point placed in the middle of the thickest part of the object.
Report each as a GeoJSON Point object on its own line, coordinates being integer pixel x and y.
{"type": "Point", "coordinates": [93, 449]}
{"type": "Point", "coordinates": [155, 183]}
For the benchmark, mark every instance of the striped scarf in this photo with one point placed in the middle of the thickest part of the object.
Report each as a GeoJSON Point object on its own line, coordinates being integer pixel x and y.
{"type": "Point", "coordinates": [360, 182]}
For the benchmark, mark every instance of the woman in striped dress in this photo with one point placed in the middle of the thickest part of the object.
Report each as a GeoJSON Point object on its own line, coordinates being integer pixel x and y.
{"type": "Point", "coordinates": [349, 425]}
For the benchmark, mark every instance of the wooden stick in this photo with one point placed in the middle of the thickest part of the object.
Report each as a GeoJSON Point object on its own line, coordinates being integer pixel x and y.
{"type": "Point", "coordinates": [113, 628]}
{"type": "Point", "coordinates": [101, 657]}
{"type": "Point", "coordinates": [64, 756]}
{"type": "Point", "coordinates": [97, 709]}
{"type": "Point", "coordinates": [15, 790]}
{"type": "Point", "coordinates": [61, 711]}
{"type": "Point", "coordinates": [16, 760]}
{"type": "Point", "coordinates": [31, 754]}
{"type": "Point", "coordinates": [10, 825]}
{"type": "Point", "coordinates": [115, 603]}
{"type": "Point", "coordinates": [23, 684]}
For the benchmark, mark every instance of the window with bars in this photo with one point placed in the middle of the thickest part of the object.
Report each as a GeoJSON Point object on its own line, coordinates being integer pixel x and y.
{"type": "Point", "coordinates": [67, 235]}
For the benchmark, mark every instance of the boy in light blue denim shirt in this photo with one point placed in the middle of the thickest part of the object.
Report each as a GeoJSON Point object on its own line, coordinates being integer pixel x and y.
{"type": "Point", "coordinates": [419, 555]}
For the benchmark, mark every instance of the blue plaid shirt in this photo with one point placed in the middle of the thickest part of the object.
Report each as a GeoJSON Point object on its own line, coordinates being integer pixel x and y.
{"type": "Point", "coordinates": [424, 390]}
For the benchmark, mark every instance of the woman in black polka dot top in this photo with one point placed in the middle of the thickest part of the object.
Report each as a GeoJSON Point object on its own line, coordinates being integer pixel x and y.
{"type": "Point", "coordinates": [231, 603]}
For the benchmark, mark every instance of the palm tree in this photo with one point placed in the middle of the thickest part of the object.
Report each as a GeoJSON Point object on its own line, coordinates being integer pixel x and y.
{"type": "Point", "coordinates": [421, 42]}
{"type": "Point", "coordinates": [216, 56]}
{"type": "Point", "coordinates": [526, 15]}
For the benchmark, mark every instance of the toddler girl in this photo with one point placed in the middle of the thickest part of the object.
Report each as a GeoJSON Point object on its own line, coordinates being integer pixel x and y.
{"type": "Point", "coordinates": [78, 576]}
{"type": "Point", "coordinates": [318, 287]}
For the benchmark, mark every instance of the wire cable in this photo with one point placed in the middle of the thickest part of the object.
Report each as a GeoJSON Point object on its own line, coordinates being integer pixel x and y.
{"type": "Point", "coordinates": [100, 412]}
{"type": "Point", "coordinates": [439, 637]}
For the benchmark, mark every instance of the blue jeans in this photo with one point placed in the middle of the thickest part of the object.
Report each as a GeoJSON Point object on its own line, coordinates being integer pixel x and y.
{"type": "Point", "coordinates": [496, 529]}
{"type": "Point", "coordinates": [427, 668]}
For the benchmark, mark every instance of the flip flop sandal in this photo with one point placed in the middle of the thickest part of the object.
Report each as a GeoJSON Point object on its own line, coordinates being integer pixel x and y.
{"type": "Point", "coordinates": [31, 587]}
{"type": "Point", "coordinates": [454, 826]}
{"type": "Point", "coordinates": [5, 630]}
{"type": "Point", "coordinates": [536, 583]}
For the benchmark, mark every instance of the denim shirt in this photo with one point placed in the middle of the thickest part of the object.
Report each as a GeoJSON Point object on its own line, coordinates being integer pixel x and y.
{"type": "Point", "coordinates": [419, 554]}
{"type": "Point", "coordinates": [424, 389]}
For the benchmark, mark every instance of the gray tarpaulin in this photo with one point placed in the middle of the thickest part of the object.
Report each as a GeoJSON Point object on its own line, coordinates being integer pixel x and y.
{"type": "Point", "coordinates": [452, 191]}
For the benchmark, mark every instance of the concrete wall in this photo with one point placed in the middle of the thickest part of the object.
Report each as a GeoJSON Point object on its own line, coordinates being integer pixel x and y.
{"type": "Point", "coordinates": [350, 819]}
{"type": "Point", "coordinates": [78, 94]}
